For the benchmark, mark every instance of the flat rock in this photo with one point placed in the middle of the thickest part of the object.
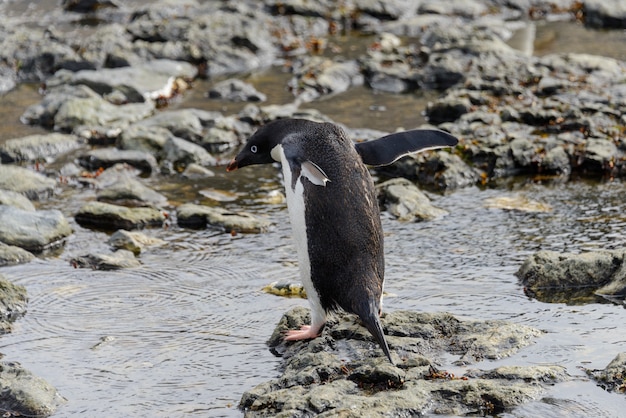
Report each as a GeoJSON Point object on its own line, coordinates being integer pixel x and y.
{"type": "Point", "coordinates": [18, 200]}
{"type": "Point", "coordinates": [107, 216]}
{"type": "Point", "coordinates": [11, 255]}
{"type": "Point", "coordinates": [132, 241]}
{"type": "Point", "coordinates": [344, 371]}
{"type": "Point", "coordinates": [38, 148]}
{"type": "Point", "coordinates": [108, 157]}
{"type": "Point", "coordinates": [120, 259]}
{"type": "Point", "coordinates": [600, 14]}
{"type": "Point", "coordinates": [33, 231]}
{"type": "Point", "coordinates": [180, 153]}
{"type": "Point", "coordinates": [24, 394]}
{"type": "Point", "coordinates": [13, 300]}
{"type": "Point", "coordinates": [33, 185]}
{"type": "Point", "coordinates": [558, 277]}
{"type": "Point", "coordinates": [518, 203]}
{"type": "Point", "coordinates": [128, 191]}
{"type": "Point", "coordinates": [198, 216]}
{"type": "Point", "coordinates": [406, 202]}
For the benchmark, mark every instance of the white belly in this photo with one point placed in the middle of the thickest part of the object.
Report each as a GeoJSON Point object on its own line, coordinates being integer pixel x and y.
{"type": "Point", "coordinates": [295, 206]}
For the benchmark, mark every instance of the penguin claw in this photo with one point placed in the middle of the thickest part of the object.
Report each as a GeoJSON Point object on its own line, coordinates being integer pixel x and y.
{"type": "Point", "coordinates": [304, 333]}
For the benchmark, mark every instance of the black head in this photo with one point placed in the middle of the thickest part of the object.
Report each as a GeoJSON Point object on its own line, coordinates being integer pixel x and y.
{"type": "Point", "coordinates": [258, 149]}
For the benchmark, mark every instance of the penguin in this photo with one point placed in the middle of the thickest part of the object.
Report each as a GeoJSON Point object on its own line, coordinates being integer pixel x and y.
{"type": "Point", "coordinates": [334, 213]}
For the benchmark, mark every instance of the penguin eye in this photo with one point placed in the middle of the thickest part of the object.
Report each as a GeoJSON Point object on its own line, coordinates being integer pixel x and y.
{"type": "Point", "coordinates": [253, 149]}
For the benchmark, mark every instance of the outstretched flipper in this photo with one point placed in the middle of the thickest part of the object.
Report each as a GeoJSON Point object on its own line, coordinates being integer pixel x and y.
{"type": "Point", "coordinates": [386, 150]}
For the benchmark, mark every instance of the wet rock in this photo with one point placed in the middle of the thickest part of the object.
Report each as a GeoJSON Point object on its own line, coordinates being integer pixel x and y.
{"type": "Point", "coordinates": [317, 76]}
{"type": "Point", "coordinates": [15, 199]}
{"type": "Point", "coordinates": [601, 272]}
{"type": "Point", "coordinates": [86, 6]}
{"type": "Point", "coordinates": [236, 90]}
{"type": "Point", "coordinates": [13, 300]}
{"type": "Point", "coordinates": [127, 191]}
{"type": "Point", "coordinates": [96, 112]}
{"type": "Point", "coordinates": [189, 124]}
{"type": "Point", "coordinates": [112, 217]}
{"type": "Point", "coordinates": [447, 110]}
{"type": "Point", "coordinates": [38, 148]}
{"type": "Point", "coordinates": [343, 370]}
{"type": "Point", "coordinates": [151, 80]}
{"type": "Point", "coordinates": [612, 377]}
{"type": "Point", "coordinates": [132, 241]}
{"type": "Point", "coordinates": [600, 14]}
{"type": "Point", "coordinates": [120, 259]}
{"type": "Point", "coordinates": [145, 138]}
{"type": "Point", "coordinates": [33, 231]}
{"type": "Point", "coordinates": [43, 113]}
{"type": "Point", "coordinates": [406, 202]}
{"type": "Point", "coordinates": [181, 153]}
{"type": "Point", "coordinates": [196, 171]}
{"type": "Point", "coordinates": [198, 216]}
{"type": "Point", "coordinates": [26, 394]}
{"type": "Point", "coordinates": [29, 183]}
{"type": "Point", "coordinates": [11, 255]}
{"type": "Point", "coordinates": [108, 157]}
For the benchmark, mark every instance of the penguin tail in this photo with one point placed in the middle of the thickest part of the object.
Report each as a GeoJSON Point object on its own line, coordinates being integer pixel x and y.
{"type": "Point", "coordinates": [371, 320]}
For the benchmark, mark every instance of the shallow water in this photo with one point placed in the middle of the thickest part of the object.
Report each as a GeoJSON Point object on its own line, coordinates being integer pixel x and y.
{"type": "Point", "coordinates": [185, 334]}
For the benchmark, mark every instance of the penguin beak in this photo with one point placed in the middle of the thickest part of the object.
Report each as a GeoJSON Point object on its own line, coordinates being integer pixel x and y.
{"type": "Point", "coordinates": [233, 165]}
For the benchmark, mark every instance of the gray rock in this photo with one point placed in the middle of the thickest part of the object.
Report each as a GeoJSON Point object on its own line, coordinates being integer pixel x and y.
{"type": "Point", "coordinates": [236, 90]}
{"type": "Point", "coordinates": [145, 138]}
{"type": "Point", "coordinates": [29, 183]}
{"type": "Point", "coordinates": [151, 80]}
{"type": "Point", "coordinates": [132, 241]}
{"type": "Point", "coordinates": [344, 372]}
{"type": "Point", "coordinates": [108, 157]}
{"type": "Point", "coordinates": [86, 6]}
{"type": "Point", "coordinates": [13, 300]}
{"type": "Point", "coordinates": [33, 231]}
{"type": "Point", "coordinates": [406, 202]}
{"type": "Point", "coordinates": [196, 171]}
{"type": "Point", "coordinates": [180, 153]}
{"type": "Point", "coordinates": [558, 277]}
{"type": "Point", "coordinates": [43, 113]}
{"type": "Point", "coordinates": [11, 255]}
{"type": "Point", "coordinates": [600, 14]}
{"type": "Point", "coordinates": [188, 124]}
{"type": "Point", "coordinates": [198, 216]}
{"type": "Point", "coordinates": [113, 217]}
{"type": "Point", "coordinates": [127, 191]}
{"type": "Point", "coordinates": [611, 378]}
{"type": "Point", "coordinates": [120, 259]}
{"type": "Point", "coordinates": [38, 148]}
{"type": "Point", "coordinates": [26, 394]}
{"type": "Point", "coordinates": [448, 110]}
{"type": "Point", "coordinates": [97, 112]}
{"type": "Point", "coordinates": [15, 199]}
{"type": "Point", "coordinates": [317, 76]}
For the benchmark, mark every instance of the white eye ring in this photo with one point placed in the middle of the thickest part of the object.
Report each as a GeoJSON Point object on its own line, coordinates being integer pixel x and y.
{"type": "Point", "coordinates": [253, 149]}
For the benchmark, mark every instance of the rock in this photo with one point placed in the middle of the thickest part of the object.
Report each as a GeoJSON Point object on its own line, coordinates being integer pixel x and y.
{"type": "Point", "coordinates": [86, 6]}
{"type": "Point", "coordinates": [11, 255]}
{"type": "Point", "coordinates": [611, 378]}
{"type": "Point", "coordinates": [517, 203]}
{"type": "Point", "coordinates": [196, 171]}
{"type": "Point", "coordinates": [37, 148]}
{"type": "Point", "coordinates": [108, 157]}
{"type": "Point", "coordinates": [97, 112]}
{"type": "Point", "coordinates": [120, 259]}
{"type": "Point", "coordinates": [448, 110]}
{"type": "Point", "coordinates": [21, 180]}
{"type": "Point", "coordinates": [236, 90]}
{"type": "Point", "coordinates": [43, 113]}
{"type": "Point", "coordinates": [130, 192]}
{"type": "Point", "coordinates": [406, 202]}
{"type": "Point", "coordinates": [13, 300]}
{"type": "Point", "coordinates": [600, 14]}
{"type": "Point", "coordinates": [344, 372]}
{"type": "Point", "coordinates": [318, 76]}
{"type": "Point", "coordinates": [132, 241]}
{"type": "Point", "coordinates": [554, 276]}
{"type": "Point", "coordinates": [33, 231]}
{"type": "Point", "coordinates": [180, 153]}
{"type": "Point", "coordinates": [198, 216]}
{"type": "Point", "coordinates": [10, 198]}
{"type": "Point", "coordinates": [26, 394]}
{"type": "Point", "coordinates": [107, 216]}
{"type": "Point", "coordinates": [145, 138]}
{"type": "Point", "coordinates": [151, 80]}
{"type": "Point", "coordinates": [188, 124]}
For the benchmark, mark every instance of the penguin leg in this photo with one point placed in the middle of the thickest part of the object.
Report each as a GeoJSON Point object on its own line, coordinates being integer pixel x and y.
{"type": "Point", "coordinates": [308, 332]}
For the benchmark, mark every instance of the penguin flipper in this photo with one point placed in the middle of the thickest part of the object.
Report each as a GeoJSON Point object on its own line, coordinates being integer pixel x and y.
{"type": "Point", "coordinates": [386, 150]}
{"type": "Point", "coordinates": [368, 311]}
{"type": "Point", "coordinates": [314, 173]}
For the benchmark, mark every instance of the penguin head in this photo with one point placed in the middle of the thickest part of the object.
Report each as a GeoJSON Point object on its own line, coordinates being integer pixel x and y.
{"type": "Point", "coordinates": [258, 149]}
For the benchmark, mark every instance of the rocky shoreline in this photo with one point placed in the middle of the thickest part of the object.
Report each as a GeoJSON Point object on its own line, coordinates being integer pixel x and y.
{"type": "Point", "coordinates": [105, 106]}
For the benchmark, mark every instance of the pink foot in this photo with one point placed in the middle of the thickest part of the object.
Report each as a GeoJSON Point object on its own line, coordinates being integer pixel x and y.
{"type": "Point", "coordinates": [304, 333]}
